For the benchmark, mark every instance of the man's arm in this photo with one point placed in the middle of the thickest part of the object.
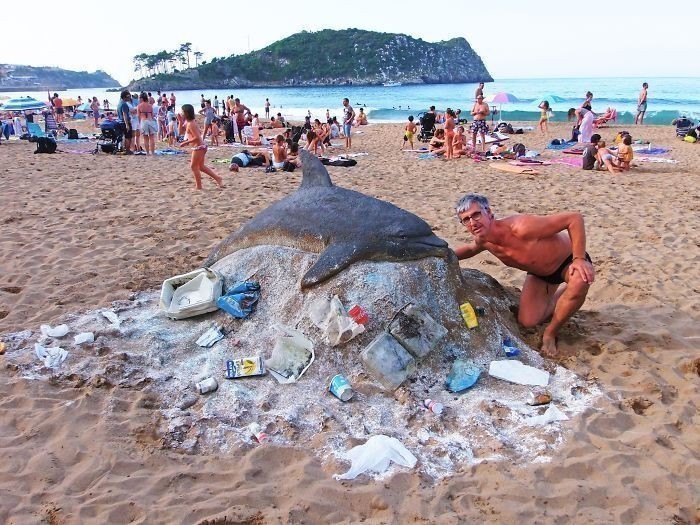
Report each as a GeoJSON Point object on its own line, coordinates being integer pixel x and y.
{"type": "Point", "coordinates": [465, 251]}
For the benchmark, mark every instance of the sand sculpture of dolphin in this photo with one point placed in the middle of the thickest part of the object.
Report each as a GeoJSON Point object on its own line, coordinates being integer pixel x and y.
{"type": "Point", "coordinates": [344, 226]}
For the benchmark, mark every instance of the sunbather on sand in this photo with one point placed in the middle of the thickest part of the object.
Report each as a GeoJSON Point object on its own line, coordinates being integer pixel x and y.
{"type": "Point", "coordinates": [437, 143]}
{"type": "Point", "coordinates": [459, 142]}
{"type": "Point", "coordinates": [605, 158]}
{"type": "Point", "coordinates": [551, 249]}
{"type": "Point", "coordinates": [250, 159]}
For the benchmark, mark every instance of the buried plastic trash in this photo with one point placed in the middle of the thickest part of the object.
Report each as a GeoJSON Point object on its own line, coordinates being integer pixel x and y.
{"type": "Point", "coordinates": [550, 415]}
{"type": "Point", "coordinates": [210, 337]}
{"type": "Point", "coordinates": [416, 331]}
{"type": "Point", "coordinates": [516, 372]}
{"type": "Point", "coordinates": [112, 318]}
{"type": "Point", "coordinates": [52, 357]}
{"type": "Point", "coordinates": [190, 294]}
{"type": "Point", "coordinates": [463, 375]}
{"type": "Point", "coordinates": [57, 331]}
{"type": "Point", "coordinates": [291, 357]}
{"type": "Point", "coordinates": [84, 337]}
{"type": "Point", "coordinates": [388, 361]}
{"type": "Point", "coordinates": [331, 317]}
{"type": "Point", "coordinates": [240, 300]}
{"type": "Point", "coordinates": [376, 455]}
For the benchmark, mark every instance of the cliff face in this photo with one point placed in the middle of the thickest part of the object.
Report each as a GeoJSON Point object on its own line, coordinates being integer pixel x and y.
{"type": "Point", "coordinates": [331, 57]}
{"type": "Point", "coordinates": [28, 77]}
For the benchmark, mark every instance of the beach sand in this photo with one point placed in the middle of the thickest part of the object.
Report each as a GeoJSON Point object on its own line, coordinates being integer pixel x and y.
{"type": "Point", "coordinates": [80, 231]}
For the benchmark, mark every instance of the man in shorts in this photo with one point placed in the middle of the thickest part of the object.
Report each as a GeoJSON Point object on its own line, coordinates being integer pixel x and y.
{"type": "Point", "coordinates": [641, 104]}
{"type": "Point", "coordinates": [550, 248]}
{"type": "Point", "coordinates": [480, 111]}
{"type": "Point", "coordinates": [249, 159]}
{"type": "Point", "coordinates": [348, 118]}
{"type": "Point", "coordinates": [58, 106]}
{"type": "Point", "coordinates": [124, 119]}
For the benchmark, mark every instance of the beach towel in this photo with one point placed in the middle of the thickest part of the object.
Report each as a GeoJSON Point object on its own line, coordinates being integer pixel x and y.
{"type": "Point", "coordinates": [574, 162]}
{"type": "Point", "coordinates": [221, 161]}
{"type": "Point", "coordinates": [565, 145]}
{"type": "Point", "coordinates": [656, 159]}
{"type": "Point", "coordinates": [416, 150]}
{"type": "Point", "coordinates": [527, 162]}
{"type": "Point", "coordinates": [648, 151]}
{"type": "Point", "coordinates": [574, 151]}
{"type": "Point", "coordinates": [427, 156]}
{"type": "Point", "coordinates": [514, 169]}
{"type": "Point", "coordinates": [169, 151]}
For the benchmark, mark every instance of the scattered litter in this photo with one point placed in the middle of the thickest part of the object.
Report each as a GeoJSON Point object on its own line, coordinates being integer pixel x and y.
{"type": "Point", "coordinates": [245, 367]}
{"type": "Point", "coordinates": [258, 433]}
{"type": "Point", "coordinates": [337, 326]}
{"type": "Point", "coordinates": [3, 347]}
{"type": "Point", "coordinates": [58, 331]}
{"type": "Point", "coordinates": [388, 361]}
{"type": "Point", "coordinates": [52, 357]}
{"type": "Point", "coordinates": [435, 407]}
{"type": "Point", "coordinates": [509, 348]}
{"type": "Point", "coordinates": [469, 315]}
{"type": "Point", "coordinates": [210, 337]}
{"type": "Point", "coordinates": [240, 300]}
{"type": "Point", "coordinates": [539, 397]}
{"type": "Point", "coordinates": [340, 388]}
{"type": "Point", "coordinates": [516, 372]}
{"type": "Point", "coordinates": [112, 318]}
{"type": "Point", "coordinates": [291, 357]}
{"type": "Point", "coordinates": [359, 315]}
{"type": "Point", "coordinates": [550, 415]}
{"type": "Point", "coordinates": [416, 331]}
{"type": "Point", "coordinates": [376, 455]}
{"type": "Point", "coordinates": [190, 294]}
{"type": "Point", "coordinates": [463, 375]}
{"type": "Point", "coordinates": [84, 337]}
{"type": "Point", "coordinates": [207, 385]}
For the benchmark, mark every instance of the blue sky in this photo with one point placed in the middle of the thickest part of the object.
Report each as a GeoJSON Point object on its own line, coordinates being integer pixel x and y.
{"type": "Point", "coordinates": [516, 39]}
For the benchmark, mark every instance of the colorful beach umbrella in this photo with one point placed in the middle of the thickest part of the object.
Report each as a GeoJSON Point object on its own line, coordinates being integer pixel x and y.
{"type": "Point", "coordinates": [23, 104]}
{"type": "Point", "coordinates": [69, 102]}
{"type": "Point", "coordinates": [502, 98]}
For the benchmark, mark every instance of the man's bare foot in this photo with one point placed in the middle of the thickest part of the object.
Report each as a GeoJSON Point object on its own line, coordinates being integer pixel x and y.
{"type": "Point", "coordinates": [196, 188]}
{"type": "Point", "coordinates": [549, 346]}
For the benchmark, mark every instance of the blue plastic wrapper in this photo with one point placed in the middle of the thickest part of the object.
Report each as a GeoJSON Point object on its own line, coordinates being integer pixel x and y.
{"type": "Point", "coordinates": [509, 348]}
{"type": "Point", "coordinates": [240, 300]}
{"type": "Point", "coordinates": [464, 375]}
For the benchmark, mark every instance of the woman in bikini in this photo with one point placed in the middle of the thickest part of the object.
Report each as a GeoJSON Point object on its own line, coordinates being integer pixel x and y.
{"type": "Point", "coordinates": [199, 149]}
{"type": "Point", "coordinates": [449, 133]}
{"type": "Point", "coordinates": [605, 157]}
{"type": "Point", "coordinates": [147, 124]}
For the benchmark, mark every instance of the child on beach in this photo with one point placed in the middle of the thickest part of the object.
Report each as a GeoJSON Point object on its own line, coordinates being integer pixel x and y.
{"type": "Point", "coordinates": [409, 133]}
{"type": "Point", "coordinates": [459, 143]}
{"type": "Point", "coordinates": [208, 113]}
{"type": "Point", "coordinates": [215, 132]}
{"type": "Point", "coordinates": [199, 149]}
{"type": "Point", "coordinates": [171, 131]}
{"type": "Point", "coordinates": [625, 154]}
{"type": "Point", "coordinates": [544, 117]}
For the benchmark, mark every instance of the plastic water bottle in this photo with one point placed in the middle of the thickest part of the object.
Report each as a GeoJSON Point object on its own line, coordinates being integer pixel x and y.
{"type": "Point", "coordinates": [435, 407]}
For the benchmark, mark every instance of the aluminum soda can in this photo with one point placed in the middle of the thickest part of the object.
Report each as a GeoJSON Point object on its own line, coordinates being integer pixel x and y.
{"type": "Point", "coordinates": [207, 385]}
{"type": "Point", "coordinates": [435, 407]}
{"type": "Point", "coordinates": [257, 431]}
{"type": "Point", "coordinates": [340, 387]}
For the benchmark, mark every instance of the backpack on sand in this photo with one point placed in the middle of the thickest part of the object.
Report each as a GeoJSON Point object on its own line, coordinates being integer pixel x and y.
{"type": "Point", "coordinates": [45, 145]}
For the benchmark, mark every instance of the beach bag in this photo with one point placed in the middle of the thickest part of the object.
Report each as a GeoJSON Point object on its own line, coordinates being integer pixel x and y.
{"type": "Point", "coordinates": [519, 149]}
{"type": "Point", "coordinates": [73, 134]}
{"type": "Point", "coordinates": [690, 138]}
{"type": "Point", "coordinates": [345, 163]}
{"type": "Point", "coordinates": [288, 166]}
{"type": "Point", "coordinates": [45, 145]}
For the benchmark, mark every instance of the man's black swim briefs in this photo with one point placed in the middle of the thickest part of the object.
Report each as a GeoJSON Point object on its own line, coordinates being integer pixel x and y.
{"type": "Point", "coordinates": [556, 277]}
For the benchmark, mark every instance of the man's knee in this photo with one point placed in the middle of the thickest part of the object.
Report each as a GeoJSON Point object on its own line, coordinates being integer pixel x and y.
{"type": "Point", "coordinates": [577, 288]}
{"type": "Point", "coordinates": [527, 319]}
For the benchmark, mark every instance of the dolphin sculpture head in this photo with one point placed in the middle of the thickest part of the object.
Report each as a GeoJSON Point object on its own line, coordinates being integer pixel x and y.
{"type": "Point", "coordinates": [344, 225]}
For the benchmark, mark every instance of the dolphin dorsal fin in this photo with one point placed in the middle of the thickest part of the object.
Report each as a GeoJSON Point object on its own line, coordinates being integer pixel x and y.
{"type": "Point", "coordinates": [315, 174]}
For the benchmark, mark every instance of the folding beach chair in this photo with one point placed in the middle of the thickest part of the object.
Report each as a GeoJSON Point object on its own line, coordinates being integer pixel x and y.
{"type": "Point", "coordinates": [601, 121]}
{"type": "Point", "coordinates": [50, 125]}
{"type": "Point", "coordinates": [35, 130]}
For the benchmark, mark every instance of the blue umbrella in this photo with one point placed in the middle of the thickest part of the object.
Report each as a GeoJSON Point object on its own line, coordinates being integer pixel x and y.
{"type": "Point", "coordinates": [549, 97]}
{"type": "Point", "coordinates": [23, 104]}
{"type": "Point", "coordinates": [84, 107]}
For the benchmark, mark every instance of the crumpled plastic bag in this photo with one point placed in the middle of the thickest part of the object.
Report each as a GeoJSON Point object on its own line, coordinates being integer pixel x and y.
{"type": "Point", "coordinates": [112, 318]}
{"type": "Point", "coordinates": [240, 300]}
{"type": "Point", "coordinates": [291, 357]}
{"type": "Point", "coordinates": [57, 331]}
{"type": "Point", "coordinates": [52, 357]}
{"type": "Point", "coordinates": [84, 337]}
{"type": "Point", "coordinates": [550, 415]}
{"type": "Point", "coordinates": [331, 317]}
{"type": "Point", "coordinates": [375, 455]}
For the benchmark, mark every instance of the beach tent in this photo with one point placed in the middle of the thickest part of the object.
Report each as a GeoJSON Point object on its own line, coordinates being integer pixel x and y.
{"type": "Point", "coordinates": [23, 104]}
{"type": "Point", "coordinates": [500, 99]}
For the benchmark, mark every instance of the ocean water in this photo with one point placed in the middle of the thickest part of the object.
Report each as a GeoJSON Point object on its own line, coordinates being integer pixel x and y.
{"type": "Point", "coordinates": [668, 98]}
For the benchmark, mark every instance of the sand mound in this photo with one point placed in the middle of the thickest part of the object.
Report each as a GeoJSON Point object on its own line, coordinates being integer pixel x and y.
{"type": "Point", "coordinates": [488, 422]}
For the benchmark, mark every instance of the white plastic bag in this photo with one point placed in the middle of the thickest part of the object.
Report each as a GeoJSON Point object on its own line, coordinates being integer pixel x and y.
{"type": "Point", "coordinates": [52, 357]}
{"type": "Point", "coordinates": [84, 337]}
{"type": "Point", "coordinates": [375, 455]}
{"type": "Point", "coordinates": [331, 317]}
{"type": "Point", "coordinates": [291, 357]}
{"type": "Point", "coordinates": [112, 318]}
{"type": "Point", "coordinates": [516, 372]}
{"type": "Point", "coordinates": [58, 331]}
{"type": "Point", "coordinates": [550, 415]}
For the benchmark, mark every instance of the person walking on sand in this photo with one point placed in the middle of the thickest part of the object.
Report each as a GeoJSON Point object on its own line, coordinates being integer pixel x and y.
{"type": "Point", "coordinates": [480, 111]}
{"type": "Point", "coordinates": [409, 132]}
{"type": "Point", "coordinates": [479, 91]}
{"type": "Point", "coordinates": [544, 115]}
{"type": "Point", "coordinates": [199, 149]}
{"type": "Point", "coordinates": [348, 118]}
{"type": "Point", "coordinates": [550, 248]}
{"type": "Point", "coordinates": [267, 108]}
{"type": "Point", "coordinates": [641, 105]}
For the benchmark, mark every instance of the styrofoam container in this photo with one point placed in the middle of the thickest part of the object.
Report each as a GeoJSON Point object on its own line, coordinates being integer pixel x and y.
{"type": "Point", "coordinates": [191, 294]}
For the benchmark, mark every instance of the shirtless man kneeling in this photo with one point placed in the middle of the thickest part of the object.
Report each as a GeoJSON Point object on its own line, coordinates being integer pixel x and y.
{"type": "Point", "coordinates": [551, 249]}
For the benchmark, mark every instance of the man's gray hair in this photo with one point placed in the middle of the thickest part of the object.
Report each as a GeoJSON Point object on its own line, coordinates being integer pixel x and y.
{"type": "Point", "coordinates": [469, 199]}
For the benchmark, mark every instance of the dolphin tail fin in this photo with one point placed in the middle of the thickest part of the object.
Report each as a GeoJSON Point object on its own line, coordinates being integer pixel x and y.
{"type": "Point", "coordinates": [314, 173]}
{"type": "Point", "coordinates": [333, 260]}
